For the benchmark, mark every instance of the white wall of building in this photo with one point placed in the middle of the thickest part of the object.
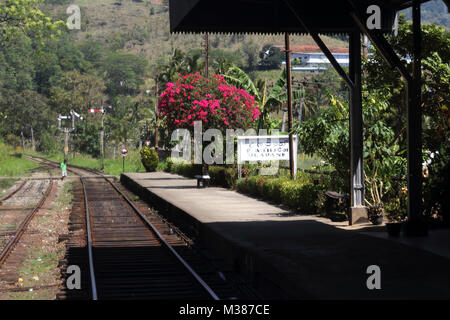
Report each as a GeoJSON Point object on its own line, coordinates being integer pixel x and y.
{"type": "Point", "coordinates": [318, 58]}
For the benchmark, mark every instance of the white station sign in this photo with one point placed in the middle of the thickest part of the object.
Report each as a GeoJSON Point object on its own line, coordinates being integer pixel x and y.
{"type": "Point", "coordinates": [263, 148]}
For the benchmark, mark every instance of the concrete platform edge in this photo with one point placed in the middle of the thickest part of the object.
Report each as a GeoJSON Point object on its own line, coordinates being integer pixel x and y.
{"type": "Point", "coordinates": [262, 274]}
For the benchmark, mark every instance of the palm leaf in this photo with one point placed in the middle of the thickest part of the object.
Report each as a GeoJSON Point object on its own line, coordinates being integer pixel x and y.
{"type": "Point", "coordinates": [241, 80]}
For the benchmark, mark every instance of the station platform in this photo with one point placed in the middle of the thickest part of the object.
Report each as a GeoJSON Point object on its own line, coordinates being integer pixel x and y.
{"type": "Point", "coordinates": [288, 256]}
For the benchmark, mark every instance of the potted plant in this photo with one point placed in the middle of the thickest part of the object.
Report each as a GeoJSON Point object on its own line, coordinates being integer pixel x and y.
{"type": "Point", "coordinates": [396, 213]}
{"type": "Point", "coordinates": [375, 214]}
{"type": "Point", "coordinates": [375, 210]}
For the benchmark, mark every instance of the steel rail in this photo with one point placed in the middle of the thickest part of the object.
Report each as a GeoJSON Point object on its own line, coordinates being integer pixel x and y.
{"type": "Point", "coordinates": [88, 226]}
{"type": "Point", "coordinates": [14, 192]}
{"type": "Point", "coordinates": [171, 249]}
{"type": "Point", "coordinates": [21, 230]}
{"type": "Point", "coordinates": [91, 256]}
{"type": "Point", "coordinates": [147, 222]}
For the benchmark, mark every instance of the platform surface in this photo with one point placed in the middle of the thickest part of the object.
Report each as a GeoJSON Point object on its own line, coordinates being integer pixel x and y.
{"type": "Point", "coordinates": [325, 260]}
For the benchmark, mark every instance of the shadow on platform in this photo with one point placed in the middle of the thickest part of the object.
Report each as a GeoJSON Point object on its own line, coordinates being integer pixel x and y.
{"type": "Point", "coordinates": [320, 261]}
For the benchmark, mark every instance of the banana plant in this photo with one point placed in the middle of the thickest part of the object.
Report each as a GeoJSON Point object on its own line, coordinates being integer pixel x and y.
{"type": "Point", "coordinates": [268, 101]}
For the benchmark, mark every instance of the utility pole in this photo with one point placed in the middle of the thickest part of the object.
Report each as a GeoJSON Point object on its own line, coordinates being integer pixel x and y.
{"type": "Point", "coordinates": [156, 113]}
{"type": "Point", "coordinates": [102, 145]}
{"type": "Point", "coordinates": [205, 166]}
{"type": "Point", "coordinates": [289, 98]}
{"type": "Point", "coordinates": [206, 55]}
{"type": "Point", "coordinates": [102, 133]}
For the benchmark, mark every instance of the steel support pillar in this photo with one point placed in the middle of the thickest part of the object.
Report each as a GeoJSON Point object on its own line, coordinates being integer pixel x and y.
{"type": "Point", "coordinates": [289, 102]}
{"type": "Point", "coordinates": [358, 212]}
{"type": "Point", "coordinates": [415, 225]}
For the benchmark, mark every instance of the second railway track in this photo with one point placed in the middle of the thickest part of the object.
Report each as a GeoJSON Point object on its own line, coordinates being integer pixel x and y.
{"type": "Point", "coordinates": [22, 213]}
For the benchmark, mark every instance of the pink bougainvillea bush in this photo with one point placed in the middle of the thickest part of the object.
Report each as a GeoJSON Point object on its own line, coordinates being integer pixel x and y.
{"type": "Point", "coordinates": [218, 105]}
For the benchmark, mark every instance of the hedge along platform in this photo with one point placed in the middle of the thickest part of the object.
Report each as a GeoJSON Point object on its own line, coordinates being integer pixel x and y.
{"type": "Point", "coordinates": [291, 256]}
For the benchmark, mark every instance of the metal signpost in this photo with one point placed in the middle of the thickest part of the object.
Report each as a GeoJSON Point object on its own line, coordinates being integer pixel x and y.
{"type": "Point", "coordinates": [124, 153]}
{"type": "Point", "coordinates": [266, 148]}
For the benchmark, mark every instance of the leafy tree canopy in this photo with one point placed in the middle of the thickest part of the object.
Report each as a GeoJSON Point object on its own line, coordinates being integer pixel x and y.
{"type": "Point", "coordinates": [124, 73]}
{"type": "Point", "coordinates": [25, 16]}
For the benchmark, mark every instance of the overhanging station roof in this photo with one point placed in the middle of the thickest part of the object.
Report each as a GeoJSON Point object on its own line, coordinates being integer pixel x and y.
{"type": "Point", "coordinates": [274, 16]}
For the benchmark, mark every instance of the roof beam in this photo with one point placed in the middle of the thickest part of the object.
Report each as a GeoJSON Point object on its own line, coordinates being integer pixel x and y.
{"type": "Point", "coordinates": [409, 4]}
{"type": "Point", "coordinates": [380, 42]}
{"type": "Point", "coordinates": [322, 46]}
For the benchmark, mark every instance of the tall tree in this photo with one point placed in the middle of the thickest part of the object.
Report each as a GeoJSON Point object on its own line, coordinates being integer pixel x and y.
{"type": "Point", "coordinates": [24, 112]}
{"type": "Point", "coordinates": [124, 73]}
{"type": "Point", "coordinates": [25, 16]}
{"type": "Point", "coordinates": [78, 92]}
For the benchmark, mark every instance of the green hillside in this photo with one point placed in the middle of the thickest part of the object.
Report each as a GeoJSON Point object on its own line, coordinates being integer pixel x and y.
{"type": "Point", "coordinates": [434, 11]}
{"type": "Point", "coordinates": [142, 28]}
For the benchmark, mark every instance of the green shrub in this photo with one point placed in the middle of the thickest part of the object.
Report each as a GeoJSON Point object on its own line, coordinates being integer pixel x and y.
{"type": "Point", "coordinates": [217, 175]}
{"type": "Point", "coordinates": [309, 198]}
{"type": "Point", "coordinates": [299, 196]}
{"type": "Point", "coordinates": [174, 165]}
{"type": "Point", "coordinates": [12, 140]}
{"type": "Point", "coordinates": [253, 186]}
{"type": "Point", "coordinates": [289, 193]}
{"type": "Point", "coordinates": [189, 170]}
{"type": "Point", "coordinates": [176, 168]}
{"type": "Point", "coordinates": [271, 189]}
{"type": "Point", "coordinates": [220, 175]}
{"type": "Point", "coordinates": [223, 176]}
{"type": "Point", "coordinates": [169, 164]}
{"type": "Point", "coordinates": [241, 185]}
{"type": "Point", "coordinates": [149, 159]}
{"type": "Point", "coordinates": [162, 166]}
{"type": "Point", "coordinates": [231, 175]}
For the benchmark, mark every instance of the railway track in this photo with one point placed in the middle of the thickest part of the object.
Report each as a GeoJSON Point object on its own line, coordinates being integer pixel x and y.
{"type": "Point", "coordinates": [122, 254]}
{"type": "Point", "coordinates": [19, 187]}
{"type": "Point", "coordinates": [17, 213]}
{"type": "Point", "coordinates": [130, 259]}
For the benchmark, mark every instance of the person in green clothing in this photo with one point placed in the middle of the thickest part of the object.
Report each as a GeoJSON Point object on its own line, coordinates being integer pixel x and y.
{"type": "Point", "coordinates": [64, 169]}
